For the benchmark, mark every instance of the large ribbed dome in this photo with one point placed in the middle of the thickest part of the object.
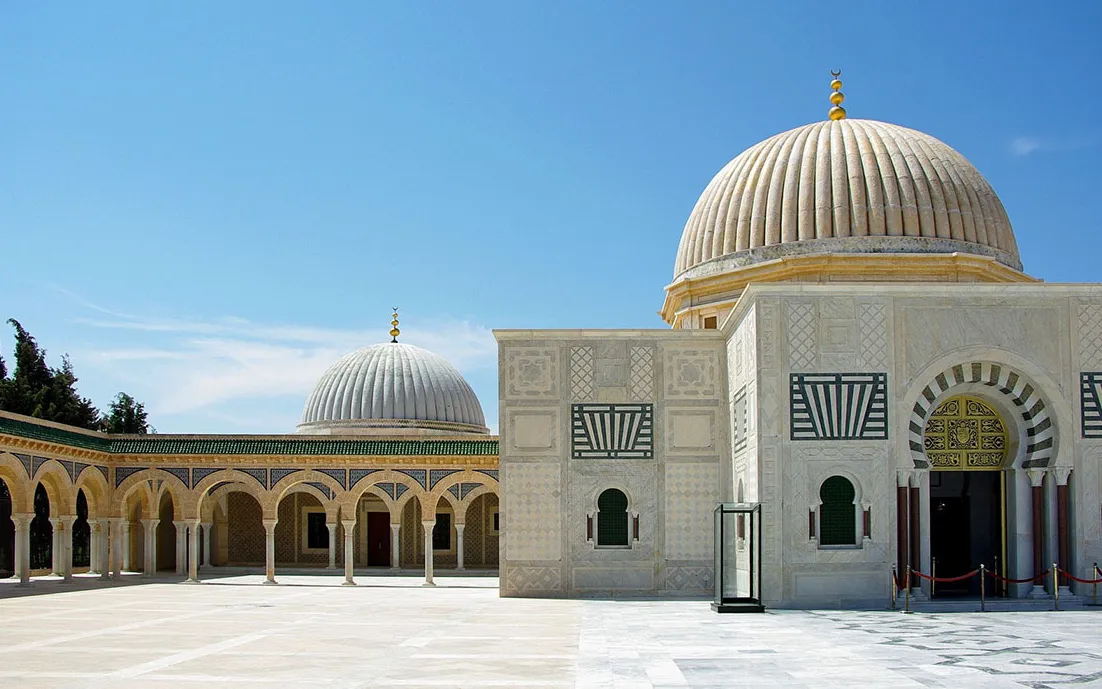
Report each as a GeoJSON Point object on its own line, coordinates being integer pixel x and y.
{"type": "Point", "coordinates": [390, 387]}
{"type": "Point", "coordinates": [845, 186]}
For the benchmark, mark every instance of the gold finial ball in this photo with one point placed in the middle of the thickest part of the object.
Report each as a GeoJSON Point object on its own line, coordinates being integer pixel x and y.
{"type": "Point", "coordinates": [836, 84]}
{"type": "Point", "coordinates": [837, 98]}
{"type": "Point", "coordinates": [394, 322]}
{"type": "Point", "coordinates": [837, 113]}
{"type": "Point", "coordinates": [394, 332]}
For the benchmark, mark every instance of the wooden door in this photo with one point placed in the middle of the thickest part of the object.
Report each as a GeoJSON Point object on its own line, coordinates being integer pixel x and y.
{"type": "Point", "coordinates": [378, 539]}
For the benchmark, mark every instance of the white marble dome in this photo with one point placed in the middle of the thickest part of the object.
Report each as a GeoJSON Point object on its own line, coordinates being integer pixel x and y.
{"type": "Point", "coordinates": [845, 186]}
{"type": "Point", "coordinates": [389, 389]}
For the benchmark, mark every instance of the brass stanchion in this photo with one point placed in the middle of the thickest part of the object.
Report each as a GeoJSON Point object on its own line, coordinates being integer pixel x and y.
{"type": "Point", "coordinates": [1055, 587]}
{"type": "Point", "coordinates": [933, 576]}
{"type": "Point", "coordinates": [895, 587]}
{"type": "Point", "coordinates": [907, 595]}
{"type": "Point", "coordinates": [983, 577]}
{"type": "Point", "coordinates": [1096, 578]}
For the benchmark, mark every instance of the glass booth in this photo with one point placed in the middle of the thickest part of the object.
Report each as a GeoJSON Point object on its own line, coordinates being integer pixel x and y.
{"type": "Point", "coordinates": [738, 557]}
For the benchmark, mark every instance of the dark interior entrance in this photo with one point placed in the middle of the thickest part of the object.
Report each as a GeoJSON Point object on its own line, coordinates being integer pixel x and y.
{"type": "Point", "coordinates": [965, 526]}
{"type": "Point", "coordinates": [378, 539]}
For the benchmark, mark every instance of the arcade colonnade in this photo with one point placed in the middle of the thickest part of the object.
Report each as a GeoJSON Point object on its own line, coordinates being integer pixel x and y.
{"type": "Point", "coordinates": [181, 517]}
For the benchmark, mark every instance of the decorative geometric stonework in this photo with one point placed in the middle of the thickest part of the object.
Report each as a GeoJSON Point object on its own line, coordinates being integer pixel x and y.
{"type": "Point", "coordinates": [1091, 391]}
{"type": "Point", "coordinates": [198, 474]}
{"type": "Point", "coordinates": [438, 475]}
{"type": "Point", "coordinates": [531, 373]}
{"type": "Point", "coordinates": [122, 473]}
{"type": "Point", "coordinates": [739, 420]}
{"type": "Point", "coordinates": [965, 433]}
{"type": "Point", "coordinates": [418, 475]}
{"type": "Point", "coordinates": [581, 373]}
{"type": "Point", "coordinates": [839, 406]}
{"type": "Point", "coordinates": [1090, 335]}
{"type": "Point", "coordinates": [466, 489]}
{"type": "Point", "coordinates": [613, 431]}
{"type": "Point", "coordinates": [642, 373]}
{"type": "Point", "coordinates": [801, 325]}
{"type": "Point", "coordinates": [872, 319]}
{"type": "Point", "coordinates": [357, 475]}
{"type": "Point", "coordinates": [691, 373]}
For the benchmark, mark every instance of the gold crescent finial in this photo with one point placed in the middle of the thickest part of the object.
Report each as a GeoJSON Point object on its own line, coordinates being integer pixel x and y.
{"type": "Point", "coordinates": [394, 331]}
{"type": "Point", "coordinates": [837, 112]}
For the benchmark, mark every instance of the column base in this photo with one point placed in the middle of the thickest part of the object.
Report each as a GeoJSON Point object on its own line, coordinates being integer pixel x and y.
{"type": "Point", "coordinates": [1038, 592]}
{"type": "Point", "coordinates": [191, 581]}
{"type": "Point", "coordinates": [348, 583]}
{"type": "Point", "coordinates": [270, 582]}
{"type": "Point", "coordinates": [331, 569]}
{"type": "Point", "coordinates": [428, 583]}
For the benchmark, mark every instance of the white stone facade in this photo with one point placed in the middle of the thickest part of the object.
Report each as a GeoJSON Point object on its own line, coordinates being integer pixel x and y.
{"type": "Point", "coordinates": [727, 426]}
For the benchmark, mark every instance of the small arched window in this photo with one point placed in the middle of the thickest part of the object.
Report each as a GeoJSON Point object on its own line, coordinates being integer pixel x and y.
{"type": "Point", "coordinates": [612, 519]}
{"type": "Point", "coordinates": [837, 516]}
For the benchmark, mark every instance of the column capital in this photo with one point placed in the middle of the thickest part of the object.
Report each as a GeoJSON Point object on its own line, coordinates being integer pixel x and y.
{"type": "Point", "coordinates": [903, 477]}
{"type": "Point", "coordinates": [1061, 474]}
{"type": "Point", "coordinates": [270, 524]}
{"type": "Point", "coordinates": [22, 520]}
{"type": "Point", "coordinates": [459, 526]}
{"type": "Point", "coordinates": [117, 520]}
{"type": "Point", "coordinates": [332, 527]}
{"type": "Point", "coordinates": [918, 476]}
{"type": "Point", "coordinates": [348, 524]}
{"type": "Point", "coordinates": [1036, 477]}
{"type": "Point", "coordinates": [206, 525]}
{"type": "Point", "coordinates": [428, 525]}
{"type": "Point", "coordinates": [150, 522]}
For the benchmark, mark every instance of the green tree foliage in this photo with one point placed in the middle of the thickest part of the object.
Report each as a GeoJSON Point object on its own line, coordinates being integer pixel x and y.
{"type": "Point", "coordinates": [35, 389]}
{"type": "Point", "coordinates": [127, 415]}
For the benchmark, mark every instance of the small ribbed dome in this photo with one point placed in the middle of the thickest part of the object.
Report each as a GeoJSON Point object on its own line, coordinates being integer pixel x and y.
{"type": "Point", "coordinates": [389, 388]}
{"type": "Point", "coordinates": [847, 186]}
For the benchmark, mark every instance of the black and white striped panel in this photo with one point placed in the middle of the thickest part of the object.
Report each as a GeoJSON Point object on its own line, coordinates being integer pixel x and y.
{"type": "Point", "coordinates": [839, 406]}
{"type": "Point", "coordinates": [1012, 384]}
{"type": "Point", "coordinates": [612, 431]}
{"type": "Point", "coordinates": [1092, 404]}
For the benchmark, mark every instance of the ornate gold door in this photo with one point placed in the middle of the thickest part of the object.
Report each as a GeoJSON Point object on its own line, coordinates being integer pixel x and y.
{"type": "Point", "coordinates": [965, 433]}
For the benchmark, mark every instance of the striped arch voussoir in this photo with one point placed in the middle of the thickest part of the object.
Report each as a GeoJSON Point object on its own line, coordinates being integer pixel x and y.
{"type": "Point", "coordinates": [1012, 384]}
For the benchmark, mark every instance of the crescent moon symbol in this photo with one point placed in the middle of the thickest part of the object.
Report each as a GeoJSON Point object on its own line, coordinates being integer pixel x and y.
{"type": "Point", "coordinates": [835, 74]}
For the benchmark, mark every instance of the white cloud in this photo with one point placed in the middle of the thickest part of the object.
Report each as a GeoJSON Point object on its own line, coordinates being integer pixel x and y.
{"type": "Point", "coordinates": [1024, 145]}
{"type": "Point", "coordinates": [237, 371]}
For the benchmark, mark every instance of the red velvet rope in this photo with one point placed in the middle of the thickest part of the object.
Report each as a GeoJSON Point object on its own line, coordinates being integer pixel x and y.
{"type": "Point", "coordinates": [1071, 576]}
{"type": "Point", "coordinates": [946, 580]}
{"type": "Point", "coordinates": [1003, 579]}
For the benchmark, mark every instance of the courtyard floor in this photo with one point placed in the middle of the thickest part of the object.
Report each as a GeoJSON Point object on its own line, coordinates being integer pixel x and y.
{"type": "Point", "coordinates": [391, 632]}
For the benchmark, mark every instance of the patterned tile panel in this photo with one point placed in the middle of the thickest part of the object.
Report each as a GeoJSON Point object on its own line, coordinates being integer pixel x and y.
{"type": "Point", "coordinates": [533, 512]}
{"type": "Point", "coordinates": [581, 373]}
{"type": "Point", "coordinates": [198, 475]}
{"type": "Point", "coordinates": [103, 470]}
{"type": "Point", "coordinates": [691, 494]}
{"type": "Point", "coordinates": [356, 475]}
{"type": "Point", "coordinates": [492, 473]}
{"type": "Point", "coordinates": [612, 431]}
{"type": "Point", "coordinates": [872, 319]}
{"type": "Point", "coordinates": [801, 324]}
{"type": "Point", "coordinates": [1090, 336]}
{"type": "Point", "coordinates": [27, 463]}
{"type": "Point", "coordinates": [123, 473]}
{"type": "Point", "coordinates": [37, 462]}
{"type": "Point", "coordinates": [839, 406]}
{"type": "Point", "coordinates": [454, 490]}
{"type": "Point", "coordinates": [438, 475]}
{"type": "Point", "coordinates": [399, 489]}
{"type": "Point", "coordinates": [387, 488]}
{"type": "Point", "coordinates": [261, 475]}
{"type": "Point", "coordinates": [277, 475]}
{"type": "Point", "coordinates": [325, 490]}
{"type": "Point", "coordinates": [1091, 391]}
{"type": "Point", "coordinates": [180, 473]}
{"type": "Point", "coordinates": [466, 489]}
{"type": "Point", "coordinates": [418, 475]}
{"type": "Point", "coordinates": [338, 475]}
{"type": "Point", "coordinates": [739, 420]}
{"type": "Point", "coordinates": [642, 373]}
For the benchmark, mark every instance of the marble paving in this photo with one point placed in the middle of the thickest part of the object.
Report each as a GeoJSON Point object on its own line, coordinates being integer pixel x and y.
{"type": "Point", "coordinates": [391, 632]}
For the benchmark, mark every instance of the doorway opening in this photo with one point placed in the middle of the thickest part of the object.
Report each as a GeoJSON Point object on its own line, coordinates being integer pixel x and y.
{"type": "Point", "coordinates": [966, 528]}
{"type": "Point", "coordinates": [378, 539]}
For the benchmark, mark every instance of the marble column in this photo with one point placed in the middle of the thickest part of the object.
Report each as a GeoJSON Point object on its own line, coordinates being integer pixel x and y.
{"type": "Point", "coordinates": [459, 546]}
{"type": "Point", "coordinates": [181, 546]}
{"type": "Point", "coordinates": [67, 546]}
{"type": "Point", "coordinates": [902, 527]}
{"type": "Point", "coordinates": [23, 546]}
{"type": "Point", "coordinates": [93, 547]}
{"type": "Point", "coordinates": [332, 545]}
{"type": "Point", "coordinates": [915, 535]}
{"type": "Point", "coordinates": [428, 526]}
{"type": "Point", "coordinates": [269, 550]}
{"type": "Point", "coordinates": [125, 545]}
{"type": "Point", "coordinates": [1037, 509]}
{"type": "Point", "coordinates": [193, 553]}
{"type": "Point", "coordinates": [55, 547]}
{"type": "Point", "coordinates": [207, 526]}
{"type": "Point", "coordinates": [348, 525]}
{"type": "Point", "coordinates": [1060, 476]}
{"type": "Point", "coordinates": [395, 546]}
{"type": "Point", "coordinates": [149, 527]}
{"type": "Point", "coordinates": [119, 545]}
{"type": "Point", "coordinates": [104, 549]}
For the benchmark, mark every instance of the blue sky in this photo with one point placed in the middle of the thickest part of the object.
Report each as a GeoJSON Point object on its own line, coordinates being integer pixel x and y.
{"type": "Point", "coordinates": [207, 203]}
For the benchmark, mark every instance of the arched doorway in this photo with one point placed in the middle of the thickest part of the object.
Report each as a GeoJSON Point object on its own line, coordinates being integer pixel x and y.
{"type": "Point", "coordinates": [82, 534]}
{"type": "Point", "coordinates": [7, 532]}
{"type": "Point", "coordinates": [482, 533]}
{"type": "Point", "coordinates": [239, 530]}
{"type": "Point", "coordinates": [967, 446]}
{"type": "Point", "coordinates": [42, 531]}
{"type": "Point", "coordinates": [166, 534]}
